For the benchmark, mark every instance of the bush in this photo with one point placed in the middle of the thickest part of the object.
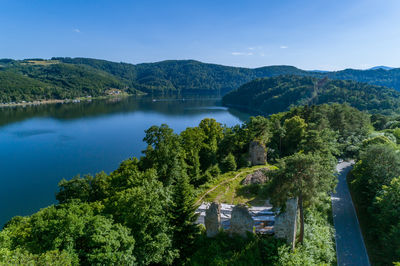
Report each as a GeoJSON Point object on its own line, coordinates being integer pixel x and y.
{"type": "Point", "coordinates": [243, 161]}
{"type": "Point", "coordinates": [228, 163]}
{"type": "Point", "coordinates": [226, 250]}
{"type": "Point", "coordinates": [386, 213]}
{"type": "Point", "coordinates": [318, 247]}
{"type": "Point", "coordinates": [23, 257]}
{"type": "Point", "coordinates": [75, 228]}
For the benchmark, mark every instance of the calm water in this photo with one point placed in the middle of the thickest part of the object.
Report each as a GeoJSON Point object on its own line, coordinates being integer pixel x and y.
{"type": "Point", "coordinates": [41, 145]}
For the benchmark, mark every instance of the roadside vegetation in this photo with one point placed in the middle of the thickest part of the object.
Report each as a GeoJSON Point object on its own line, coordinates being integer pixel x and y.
{"type": "Point", "coordinates": [375, 186]}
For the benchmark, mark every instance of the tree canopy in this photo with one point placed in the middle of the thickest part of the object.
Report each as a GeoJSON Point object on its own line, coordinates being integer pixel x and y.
{"type": "Point", "coordinates": [277, 94]}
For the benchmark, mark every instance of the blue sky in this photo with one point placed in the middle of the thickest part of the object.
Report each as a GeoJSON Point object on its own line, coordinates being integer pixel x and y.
{"type": "Point", "coordinates": [319, 34]}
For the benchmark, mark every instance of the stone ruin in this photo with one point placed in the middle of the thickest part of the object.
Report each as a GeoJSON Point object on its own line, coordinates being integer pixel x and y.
{"type": "Point", "coordinates": [257, 152]}
{"type": "Point", "coordinates": [258, 177]}
{"type": "Point", "coordinates": [212, 220]}
{"type": "Point", "coordinates": [285, 223]}
{"type": "Point", "coordinates": [241, 221]}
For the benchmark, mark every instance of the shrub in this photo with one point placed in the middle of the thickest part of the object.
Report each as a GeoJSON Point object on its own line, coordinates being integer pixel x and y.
{"type": "Point", "coordinates": [228, 163]}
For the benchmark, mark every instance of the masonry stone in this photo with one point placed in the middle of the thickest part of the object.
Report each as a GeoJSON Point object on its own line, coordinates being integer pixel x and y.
{"type": "Point", "coordinates": [258, 177]}
{"type": "Point", "coordinates": [285, 223]}
{"type": "Point", "coordinates": [241, 221]}
{"type": "Point", "coordinates": [212, 219]}
{"type": "Point", "coordinates": [257, 152]}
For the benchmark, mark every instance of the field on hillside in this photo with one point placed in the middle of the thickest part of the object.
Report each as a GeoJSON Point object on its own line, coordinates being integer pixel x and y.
{"type": "Point", "coordinates": [40, 62]}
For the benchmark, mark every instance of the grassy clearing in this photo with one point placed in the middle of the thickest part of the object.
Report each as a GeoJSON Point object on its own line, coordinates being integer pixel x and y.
{"type": "Point", "coordinates": [227, 188]}
{"type": "Point", "coordinates": [40, 62]}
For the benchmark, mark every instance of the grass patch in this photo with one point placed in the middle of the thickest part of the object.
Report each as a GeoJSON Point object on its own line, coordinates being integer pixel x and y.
{"type": "Point", "coordinates": [40, 62]}
{"type": "Point", "coordinates": [227, 188]}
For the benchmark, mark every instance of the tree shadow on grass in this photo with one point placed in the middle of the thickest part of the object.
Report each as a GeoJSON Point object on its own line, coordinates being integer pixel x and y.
{"type": "Point", "coordinates": [255, 194]}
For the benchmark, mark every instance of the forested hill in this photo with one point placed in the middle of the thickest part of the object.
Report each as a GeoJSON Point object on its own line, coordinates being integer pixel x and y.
{"type": "Point", "coordinates": [183, 75]}
{"type": "Point", "coordinates": [272, 95]}
{"type": "Point", "coordinates": [61, 78]}
{"type": "Point", "coordinates": [189, 75]}
{"type": "Point", "coordinates": [43, 80]}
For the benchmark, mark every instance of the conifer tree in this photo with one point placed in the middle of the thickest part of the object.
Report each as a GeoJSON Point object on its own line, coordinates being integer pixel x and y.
{"type": "Point", "coordinates": [304, 176]}
{"type": "Point", "coordinates": [183, 216]}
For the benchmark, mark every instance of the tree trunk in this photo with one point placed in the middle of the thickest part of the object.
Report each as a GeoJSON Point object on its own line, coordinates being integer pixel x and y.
{"type": "Point", "coordinates": [301, 237]}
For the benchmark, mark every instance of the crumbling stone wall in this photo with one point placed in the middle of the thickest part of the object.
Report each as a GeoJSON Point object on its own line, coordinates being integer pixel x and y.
{"type": "Point", "coordinates": [257, 152]}
{"type": "Point", "coordinates": [258, 177]}
{"type": "Point", "coordinates": [285, 223]}
{"type": "Point", "coordinates": [241, 221]}
{"type": "Point", "coordinates": [212, 220]}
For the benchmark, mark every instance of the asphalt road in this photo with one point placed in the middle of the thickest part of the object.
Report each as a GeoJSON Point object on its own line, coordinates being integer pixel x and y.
{"type": "Point", "coordinates": [350, 247]}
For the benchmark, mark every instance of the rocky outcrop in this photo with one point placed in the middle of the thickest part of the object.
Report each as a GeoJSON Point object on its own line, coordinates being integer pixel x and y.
{"type": "Point", "coordinates": [241, 221]}
{"type": "Point", "coordinates": [212, 219]}
{"type": "Point", "coordinates": [285, 223]}
{"type": "Point", "coordinates": [258, 177]}
{"type": "Point", "coordinates": [257, 152]}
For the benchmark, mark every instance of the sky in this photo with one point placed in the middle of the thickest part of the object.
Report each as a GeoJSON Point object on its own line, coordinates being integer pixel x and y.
{"type": "Point", "coordinates": [309, 34]}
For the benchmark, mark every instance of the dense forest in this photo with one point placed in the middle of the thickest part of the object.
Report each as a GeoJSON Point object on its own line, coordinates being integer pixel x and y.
{"type": "Point", "coordinates": [271, 95]}
{"type": "Point", "coordinates": [143, 213]}
{"type": "Point", "coordinates": [42, 81]}
{"type": "Point", "coordinates": [62, 78]}
{"type": "Point", "coordinates": [375, 185]}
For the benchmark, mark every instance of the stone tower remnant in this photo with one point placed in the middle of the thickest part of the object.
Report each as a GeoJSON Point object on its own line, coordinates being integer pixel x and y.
{"type": "Point", "coordinates": [241, 221]}
{"type": "Point", "coordinates": [212, 220]}
{"type": "Point", "coordinates": [285, 223]}
{"type": "Point", "coordinates": [257, 152]}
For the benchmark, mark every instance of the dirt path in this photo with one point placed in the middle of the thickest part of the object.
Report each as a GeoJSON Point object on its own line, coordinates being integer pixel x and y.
{"type": "Point", "coordinates": [217, 198]}
{"type": "Point", "coordinates": [222, 183]}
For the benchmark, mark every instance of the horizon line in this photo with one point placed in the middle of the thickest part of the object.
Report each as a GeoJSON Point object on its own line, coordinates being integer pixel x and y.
{"type": "Point", "coordinates": [190, 59]}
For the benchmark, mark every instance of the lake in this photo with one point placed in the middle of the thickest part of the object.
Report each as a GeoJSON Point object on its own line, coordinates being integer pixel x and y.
{"type": "Point", "coordinates": [40, 145]}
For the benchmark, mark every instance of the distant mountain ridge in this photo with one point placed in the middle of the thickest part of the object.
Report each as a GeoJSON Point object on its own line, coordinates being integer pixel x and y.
{"type": "Point", "coordinates": [381, 67]}
{"type": "Point", "coordinates": [63, 77]}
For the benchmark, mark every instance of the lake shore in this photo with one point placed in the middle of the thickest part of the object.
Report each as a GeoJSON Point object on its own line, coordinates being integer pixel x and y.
{"type": "Point", "coordinates": [75, 100]}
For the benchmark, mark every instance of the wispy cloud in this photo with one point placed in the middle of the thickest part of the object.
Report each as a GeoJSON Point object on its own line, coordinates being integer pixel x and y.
{"type": "Point", "coordinates": [241, 53]}
{"type": "Point", "coordinates": [283, 47]}
{"type": "Point", "coordinates": [252, 48]}
{"type": "Point", "coordinates": [77, 30]}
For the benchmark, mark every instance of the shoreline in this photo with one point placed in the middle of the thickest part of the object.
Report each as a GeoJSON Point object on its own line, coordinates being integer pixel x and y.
{"type": "Point", "coordinates": [62, 101]}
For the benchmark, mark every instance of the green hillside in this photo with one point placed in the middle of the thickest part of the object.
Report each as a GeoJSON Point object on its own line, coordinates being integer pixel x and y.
{"type": "Point", "coordinates": [32, 80]}
{"type": "Point", "coordinates": [381, 77]}
{"type": "Point", "coordinates": [271, 95]}
{"type": "Point", "coordinates": [187, 75]}
{"type": "Point", "coordinates": [61, 78]}
{"type": "Point", "coordinates": [182, 75]}
{"type": "Point", "coordinates": [17, 87]}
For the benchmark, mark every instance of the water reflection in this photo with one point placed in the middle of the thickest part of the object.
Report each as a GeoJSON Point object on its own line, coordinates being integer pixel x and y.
{"type": "Point", "coordinates": [170, 106]}
{"type": "Point", "coordinates": [40, 145]}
